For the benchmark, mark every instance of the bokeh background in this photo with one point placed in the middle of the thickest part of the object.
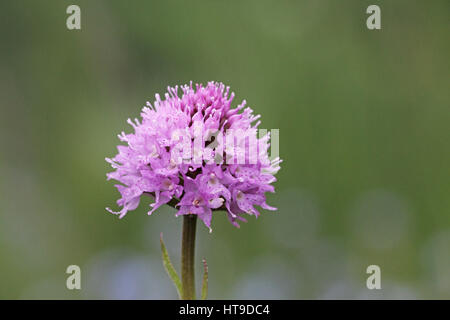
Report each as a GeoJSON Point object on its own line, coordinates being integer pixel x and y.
{"type": "Point", "coordinates": [364, 134]}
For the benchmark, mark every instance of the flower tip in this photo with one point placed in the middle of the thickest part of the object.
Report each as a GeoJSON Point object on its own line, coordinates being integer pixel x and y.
{"type": "Point", "coordinates": [121, 214]}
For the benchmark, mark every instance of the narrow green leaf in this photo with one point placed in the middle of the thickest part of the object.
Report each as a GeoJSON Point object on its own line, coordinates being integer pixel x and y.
{"type": "Point", "coordinates": [205, 280]}
{"type": "Point", "coordinates": [169, 267]}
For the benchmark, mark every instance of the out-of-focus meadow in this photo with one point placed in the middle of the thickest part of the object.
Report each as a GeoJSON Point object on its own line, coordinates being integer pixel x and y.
{"type": "Point", "coordinates": [364, 134]}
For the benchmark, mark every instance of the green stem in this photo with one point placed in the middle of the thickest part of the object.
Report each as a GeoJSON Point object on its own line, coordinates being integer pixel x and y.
{"type": "Point", "coordinates": [188, 256]}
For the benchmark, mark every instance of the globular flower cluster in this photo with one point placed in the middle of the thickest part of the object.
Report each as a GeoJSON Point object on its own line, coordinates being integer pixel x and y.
{"type": "Point", "coordinates": [146, 164]}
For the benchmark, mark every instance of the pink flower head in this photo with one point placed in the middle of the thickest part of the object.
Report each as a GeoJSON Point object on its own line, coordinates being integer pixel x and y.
{"type": "Point", "coordinates": [182, 154]}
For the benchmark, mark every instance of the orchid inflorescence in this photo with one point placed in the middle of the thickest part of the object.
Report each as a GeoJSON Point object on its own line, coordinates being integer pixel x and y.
{"type": "Point", "coordinates": [180, 154]}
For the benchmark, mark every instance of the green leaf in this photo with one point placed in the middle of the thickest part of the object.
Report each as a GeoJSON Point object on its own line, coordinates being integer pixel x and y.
{"type": "Point", "coordinates": [205, 280]}
{"type": "Point", "coordinates": [169, 267]}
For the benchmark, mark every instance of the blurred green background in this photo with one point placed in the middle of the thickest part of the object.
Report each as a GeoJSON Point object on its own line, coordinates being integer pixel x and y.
{"type": "Point", "coordinates": [364, 134]}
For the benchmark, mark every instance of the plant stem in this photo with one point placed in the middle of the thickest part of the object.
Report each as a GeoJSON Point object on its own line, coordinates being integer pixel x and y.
{"type": "Point", "coordinates": [188, 256]}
